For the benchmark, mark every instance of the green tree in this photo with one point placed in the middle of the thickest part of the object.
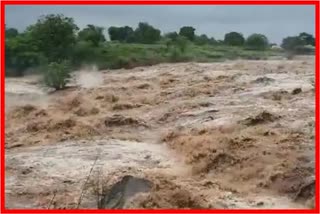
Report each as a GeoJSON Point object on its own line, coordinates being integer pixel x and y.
{"type": "Point", "coordinates": [55, 36]}
{"type": "Point", "coordinates": [93, 34]}
{"type": "Point", "coordinates": [213, 41]}
{"type": "Point", "coordinates": [307, 38]}
{"type": "Point", "coordinates": [172, 35]}
{"type": "Point", "coordinates": [297, 45]}
{"type": "Point", "coordinates": [181, 43]}
{"type": "Point", "coordinates": [146, 33]}
{"type": "Point", "coordinates": [290, 43]}
{"type": "Point", "coordinates": [219, 42]}
{"type": "Point", "coordinates": [168, 42]}
{"type": "Point", "coordinates": [57, 75]}
{"type": "Point", "coordinates": [121, 34]}
{"type": "Point", "coordinates": [84, 52]}
{"type": "Point", "coordinates": [257, 42]}
{"type": "Point", "coordinates": [113, 33]}
{"type": "Point", "coordinates": [202, 40]}
{"type": "Point", "coordinates": [21, 54]}
{"type": "Point", "coordinates": [11, 32]}
{"type": "Point", "coordinates": [234, 39]}
{"type": "Point", "coordinates": [188, 32]}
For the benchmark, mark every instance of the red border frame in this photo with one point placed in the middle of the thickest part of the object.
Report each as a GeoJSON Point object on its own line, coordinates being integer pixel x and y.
{"type": "Point", "coordinates": [161, 2]}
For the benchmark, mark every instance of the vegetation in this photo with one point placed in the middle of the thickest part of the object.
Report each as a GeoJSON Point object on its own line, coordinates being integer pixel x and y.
{"type": "Point", "coordinates": [302, 44]}
{"type": "Point", "coordinates": [21, 54]}
{"type": "Point", "coordinates": [146, 34]}
{"type": "Point", "coordinates": [55, 39]}
{"type": "Point", "coordinates": [121, 34]}
{"type": "Point", "coordinates": [11, 33]}
{"type": "Point", "coordinates": [308, 39]}
{"type": "Point", "coordinates": [172, 35]}
{"type": "Point", "coordinates": [257, 42]}
{"type": "Point", "coordinates": [234, 39]}
{"type": "Point", "coordinates": [181, 43]}
{"type": "Point", "coordinates": [291, 42]}
{"type": "Point", "coordinates": [57, 75]}
{"type": "Point", "coordinates": [55, 36]}
{"type": "Point", "coordinates": [92, 34]}
{"type": "Point", "coordinates": [188, 32]}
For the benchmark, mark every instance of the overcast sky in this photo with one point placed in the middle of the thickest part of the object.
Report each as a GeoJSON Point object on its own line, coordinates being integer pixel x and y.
{"type": "Point", "coordinates": [276, 22]}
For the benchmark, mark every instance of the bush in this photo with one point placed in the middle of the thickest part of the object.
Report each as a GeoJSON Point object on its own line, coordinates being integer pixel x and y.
{"type": "Point", "coordinates": [57, 75]}
{"type": "Point", "coordinates": [304, 49]}
{"type": "Point", "coordinates": [146, 34]}
{"type": "Point", "coordinates": [119, 62]}
{"type": "Point", "coordinates": [290, 43]}
{"type": "Point", "coordinates": [168, 43]}
{"type": "Point", "coordinates": [181, 43]}
{"type": "Point", "coordinates": [93, 34]}
{"type": "Point", "coordinates": [307, 38]}
{"type": "Point", "coordinates": [188, 32]}
{"type": "Point", "coordinates": [85, 53]}
{"type": "Point", "coordinates": [21, 54]}
{"type": "Point", "coordinates": [257, 42]}
{"type": "Point", "coordinates": [201, 40]}
{"type": "Point", "coordinates": [234, 39]}
{"type": "Point", "coordinates": [297, 45]}
{"type": "Point", "coordinates": [122, 34]}
{"type": "Point", "coordinates": [171, 35]}
{"type": "Point", "coordinates": [174, 55]}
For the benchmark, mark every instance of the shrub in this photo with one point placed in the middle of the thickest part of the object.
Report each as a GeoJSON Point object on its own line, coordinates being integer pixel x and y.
{"type": "Point", "coordinates": [118, 62]}
{"type": "Point", "coordinates": [181, 43]}
{"type": "Point", "coordinates": [57, 75]}
{"type": "Point", "coordinates": [85, 53]}
{"type": "Point", "coordinates": [304, 49]}
{"type": "Point", "coordinates": [146, 34]}
{"type": "Point", "coordinates": [93, 34]}
{"type": "Point", "coordinates": [171, 35]}
{"type": "Point", "coordinates": [188, 32]}
{"type": "Point", "coordinates": [297, 45]}
{"type": "Point", "coordinates": [307, 38]}
{"type": "Point", "coordinates": [122, 34]}
{"type": "Point", "coordinates": [291, 42]}
{"type": "Point", "coordinates": [257, 42]}
{"type": "Point", "coordinates": [21, 54]}
{"type": "Point", "coordinates": [234, 39]}
{"type": "Point", "coordinates": [174, 55]}
{"type": "Point", "coordinates": [201, 40]}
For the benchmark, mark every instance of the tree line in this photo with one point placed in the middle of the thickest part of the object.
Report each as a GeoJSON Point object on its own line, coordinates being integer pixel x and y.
{"type": "Point", "coordinates": [55, 38]}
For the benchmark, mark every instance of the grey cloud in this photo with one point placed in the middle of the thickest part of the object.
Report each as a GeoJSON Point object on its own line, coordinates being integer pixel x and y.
{"type": "Point", "coordinates": [274, 21]}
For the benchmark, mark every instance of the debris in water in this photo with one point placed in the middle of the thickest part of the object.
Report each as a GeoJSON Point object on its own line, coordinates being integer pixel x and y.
{"type": "Point", "coordinates": [265, 80]}
{"type": "Point", "coordinates": [120, 120]}
{"type": "Point", "coordinates": [123, 190]}
{"type": "Point", "coordinates": [296, 91]}
{"type": "Point", "coordinates": [125, 106]}
{"type": "Point", "coordinates": [307, 190]}
{"type": "Point", "coordinates": [262, 117]}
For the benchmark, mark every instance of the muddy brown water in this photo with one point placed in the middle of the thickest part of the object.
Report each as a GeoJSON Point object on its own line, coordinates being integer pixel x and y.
{"type": "Point", "coordinates": [70, 163]}
{"type": "Point", "coordinates": [41, 175]}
